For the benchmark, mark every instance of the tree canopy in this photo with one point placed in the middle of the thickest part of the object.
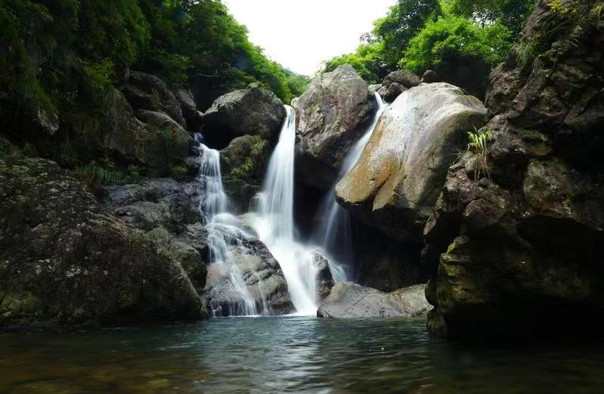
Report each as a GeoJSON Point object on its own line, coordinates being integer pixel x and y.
{"type": "Point", "coordinates": [453, 37]}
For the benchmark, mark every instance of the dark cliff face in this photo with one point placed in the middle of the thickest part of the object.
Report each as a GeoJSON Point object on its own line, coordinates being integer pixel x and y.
{"type": "Point", "coordinates": [517, 248]}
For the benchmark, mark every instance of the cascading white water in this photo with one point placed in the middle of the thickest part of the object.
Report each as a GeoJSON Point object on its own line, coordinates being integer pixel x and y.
{"type": "Point", "coordinates": [335, 237]}
{"type": "Point", "coordinates": [274, 222]}
{"type": "Point", "coordinates": [223, 229]}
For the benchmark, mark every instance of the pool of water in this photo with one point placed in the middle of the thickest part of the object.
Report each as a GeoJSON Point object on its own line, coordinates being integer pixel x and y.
{"type": "Point", "coordinates": [294, 354]}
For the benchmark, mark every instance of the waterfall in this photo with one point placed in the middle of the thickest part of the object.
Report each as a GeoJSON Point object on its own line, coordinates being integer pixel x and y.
{"type": "Point", "coordinates": [223, 229]}
{"type": "Point", "coordinates": [335, 236]}
{"type": "Point", "coordinates": [274, 221]}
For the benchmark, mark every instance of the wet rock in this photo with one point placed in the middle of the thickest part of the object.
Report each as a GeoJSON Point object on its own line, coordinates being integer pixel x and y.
{"type": "Point", "coordinates": [332, 115]}
{"type": "Point", "coordinates": [324, 280]}
{"type": "Point", "coordinates": [148, 92]}
{"type": "Point", "coordinates": [399, 176]}
{"type": "Point", "coordinates": [348, 300]}
{"type": "Point", "coordinates": [263, 280]}
{"type": "Point", "coordinates": [253, 111]}
{"type": "Point", "coordinates": [64, 263]}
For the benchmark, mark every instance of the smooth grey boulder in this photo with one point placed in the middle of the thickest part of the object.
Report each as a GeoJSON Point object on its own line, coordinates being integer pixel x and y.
{"type": "Point", "coordinates": [145, 91]}
{"type": "Point", "coordinates": [332, 114]}
{"type": "Point", "coordinates": [252, 111]}
{"type": "Point", "coordinates": [402, 170]}
{"type": "Point", "coordinates": [348, 300]}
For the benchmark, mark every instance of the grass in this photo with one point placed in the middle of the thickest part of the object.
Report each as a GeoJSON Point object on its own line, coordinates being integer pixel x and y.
{"type": "Point", "coordinates": [479, 146]}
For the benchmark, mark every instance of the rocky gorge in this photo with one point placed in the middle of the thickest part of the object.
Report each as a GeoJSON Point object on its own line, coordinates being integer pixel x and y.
{"type": "Point", "coordinates": [496, 237]}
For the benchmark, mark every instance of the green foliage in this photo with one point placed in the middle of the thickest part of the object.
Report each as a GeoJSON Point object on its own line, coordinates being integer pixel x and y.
{"type": "Point", "coordinates": [97, 173]}
{"type": "Point", "coordinates": [479, 145]}
{"type": "Point", "coordinates": [402, 23]}
{"type": "Point", "coordinates": [510, 13]}
{"type": "Point", "coordinates": [451, 39]}
{"type": "Point", "coordinates": [367, 61]}
{"type": "Point", "coordinates": [296, 83]}
{"type": "Point", "coordinates": [252, 162]}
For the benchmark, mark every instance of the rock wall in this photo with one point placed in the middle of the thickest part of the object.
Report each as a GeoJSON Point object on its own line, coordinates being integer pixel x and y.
{"type": "Point", "coordinates": [516, 247]}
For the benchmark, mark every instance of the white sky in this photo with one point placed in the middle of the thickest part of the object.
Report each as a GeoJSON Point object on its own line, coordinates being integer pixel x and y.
{"type": "Point", "coordinates": [300, 34]}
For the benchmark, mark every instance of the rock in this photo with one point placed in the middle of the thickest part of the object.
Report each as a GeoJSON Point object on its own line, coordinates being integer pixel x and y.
{"type": "Point", "coordinates": [158, 120]}
{"type": "Point", "coordinates": [512, 252]}
{"type": "Point", "coordinates": [148, 92]}
{"type": "Point", "coordinates": [393, 91]}
{"type": "Point", "coordinates": [245, 159]}
{"type": "Point", "coordinates": [189, 258]}
{"type": "Point", "coordinates": [207, 88]}
{"type": "Point", "coordinates": [430, 76]}
{"type": "Point", "coordinates": [262, 277]}
{"type": "Point", "coordinates": [155, 203]}
{"type": "Point", "coordinates": [192, 116]}
{"type": "Point", "coordinates": [332, 114]}
{"type": "Point", "coordinates": [241, 194]}
{"type": "Point", "coordinates": [403, 77]}
{"type": "Point", "coordinates": [324, 280]}
{"type": "Point", "coordinates": [348, 300]}
{"type": "Point", "coordinates": [66, 264]}
{"type": "Point", "coordinates": [398, 178]}
{"type": "Point", "coordinates": [374, 88]}
{"type": "Point", "coordinates": [253, 111]}
{"type": "Point", "coordinates": [133, 141]}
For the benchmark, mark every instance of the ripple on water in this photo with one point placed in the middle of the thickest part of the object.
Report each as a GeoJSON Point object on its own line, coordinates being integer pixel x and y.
{"type": "Point", "coordinates": [289, 354]}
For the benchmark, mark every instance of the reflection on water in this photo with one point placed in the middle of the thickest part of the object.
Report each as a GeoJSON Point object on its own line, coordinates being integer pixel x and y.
{"type": "Point", "coordinates": [289, 354]}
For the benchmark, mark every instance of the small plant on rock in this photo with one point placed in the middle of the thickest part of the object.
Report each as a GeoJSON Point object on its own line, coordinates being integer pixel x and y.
{"type": "Point", "coordinates": [479, 146]}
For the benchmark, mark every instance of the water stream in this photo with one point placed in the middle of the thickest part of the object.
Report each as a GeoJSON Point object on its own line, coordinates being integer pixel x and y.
{"type": "Point", "coordinates": [335, 236]}
{"type": "Point", "coordinates": [272, 219]}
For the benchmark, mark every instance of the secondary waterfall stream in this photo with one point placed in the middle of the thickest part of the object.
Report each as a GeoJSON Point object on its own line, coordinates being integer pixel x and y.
{"type": "Point", "coordinates": [272, 220]}
{"type": "Point", "coordinates": [335, 237]}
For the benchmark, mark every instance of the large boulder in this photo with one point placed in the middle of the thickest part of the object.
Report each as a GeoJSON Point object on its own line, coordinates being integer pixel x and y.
{"type": "Point", "coordinates": [144, 91]}
{"type": "Point", "coordinates": [253, 111]}
{"type": "Point", "coordinates": [249, 273]}
{"type": "Point", "coordinates": [192, 116]}
{"type": "Point", "coordinates": [348, 300]}
{"type": "Point", "coordinates": [400, 174]}
{"type": "Point", "coordinates": [159, 145]}
{"type": "Point", "coordinates": [332, 115]}
{"type": "Point", "coordinates": [516, 250]}
{"type": "Point", "coordinates": [64, 263]}
{"type": "Point", "coordinates": [396, 83]}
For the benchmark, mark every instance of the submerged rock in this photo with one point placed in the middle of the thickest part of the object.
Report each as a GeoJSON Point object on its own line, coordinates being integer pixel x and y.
{"type": "Point", "coordinates": [253, 111]}
{"type": "Point", "coordinates": [519, 252]}
{"type": "Point", "coordinates": [398, 178]}
{"type": "Point", "coordinates": [349, 300]}
{"type": "Point", "coordinates": [64, 263]}
{"type": "Point", "coordinates": [332, 115]}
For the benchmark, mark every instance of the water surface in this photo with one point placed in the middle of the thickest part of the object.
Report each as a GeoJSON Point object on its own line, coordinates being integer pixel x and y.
{"type": "Point", "coordinates": [296, 354]}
